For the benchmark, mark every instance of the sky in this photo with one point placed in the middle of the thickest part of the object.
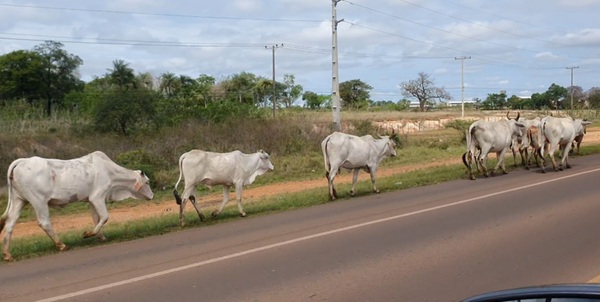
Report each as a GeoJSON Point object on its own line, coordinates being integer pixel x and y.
{"type": "Point", "coordinates": [521, 47]}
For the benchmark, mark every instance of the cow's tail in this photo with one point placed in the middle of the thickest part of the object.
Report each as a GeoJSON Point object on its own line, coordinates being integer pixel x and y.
{"type": "Point", "coordinates": [326, 156]}
{"type": "Point", "coordinates": [9, 178]}
{"type": "Point", "coordinates": [175, 193]}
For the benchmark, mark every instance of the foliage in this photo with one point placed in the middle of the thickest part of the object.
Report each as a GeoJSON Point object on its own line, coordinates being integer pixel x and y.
{"type": "Point", "coordinates": [19, 75]}
{"type": "Point", "coordinates": [292, 90]}
{"type": "Point", "coordinates": [423, 89]}
{"type": "Point", "coordinates": [47, 72]}
{"type": "Point", "coordinates": [314, 100]}
{"type": "Point", "coordinates": [494, 101]}
{"type": "Point", "coordinates": [122, 111]}
{"type": "Point", "coordinates": [121, 75]}
{"type": "Point", "coordinates": [461, 125]}
{"type": "Point", "coordinates": [355, 94]}
{"type": "Point", "coordinates": [57, 73]}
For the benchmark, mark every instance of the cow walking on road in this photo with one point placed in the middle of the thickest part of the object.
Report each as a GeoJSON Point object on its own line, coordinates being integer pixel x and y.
{"type": "Point", "coordinates": [45, 182]}
{"type": "Point", "coordinates": [352, 152]}
{"type": "Point", "coordinates": [211, 169]}
{"type": "Point", "coordinates": [484, 137]}
{"type": "Point", "coordinates": [559, 132]}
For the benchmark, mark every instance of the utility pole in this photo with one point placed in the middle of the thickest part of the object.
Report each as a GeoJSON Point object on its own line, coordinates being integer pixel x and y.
{"type": "Point", "coordinates": [572, 90]}
{"type": "Point", "coordinates": [335, 83]}
{"type": "Point", "coordinates": [273, 47]}
{"type": "Point", "coordinates": [462, 85]}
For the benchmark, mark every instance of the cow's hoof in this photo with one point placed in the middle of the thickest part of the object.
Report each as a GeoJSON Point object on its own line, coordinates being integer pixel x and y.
{"type": "Point", "coordinates": [8, 258]}
{"type": "Point", "coordinates": [201, 217]}
{"type": "Point", "coordinates": [526, 167]}
{"type": "Point", "coordinates": [214, 214]}
{"type": "Point", "coordinates": [376, 191]}
{"type": "Point", "coordinates": [352, 193]}
{"type": "Point", "coordinates": [88, 234]}
{"type": "Point", "coordinates": [243, 214]}
{"type": "Point", "coordinates": [472, 177]}
{"type": "Point", "coordinates": [568, 166]}
{"type": "Point", "coordinates": [544, 171]}
{"type": "Point", "coordinates": [61, 247]}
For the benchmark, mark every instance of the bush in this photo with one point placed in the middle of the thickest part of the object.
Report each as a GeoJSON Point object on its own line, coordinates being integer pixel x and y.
{"type": "Point", "coordinates": [461, 125]}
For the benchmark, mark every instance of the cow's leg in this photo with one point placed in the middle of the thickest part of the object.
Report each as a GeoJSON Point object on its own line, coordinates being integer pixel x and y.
{"type": "Point", "coordinates": [8, 222]}
{"type": "Point", "coordinates": [195, 204]}
{"type": "Point", "coordinates": [468, 161]}
{"type": "Point", "coordinates": [354, 180]}
{"type": "Point", "coordinates": [43, 218]}
{"type": "Point", "coordinates": [238, 197]}
{"type": "Point", "coordinates": [565, 156]}
{"type": "Point", "coordinates": [372, 172]}
{"type": "Point", "coordinates": [482, 159]}
{"type": "Point", "coordinates": [181, 211]}
{"type": "Point", "coordinates": [96, 219]}
{"type": "Point", "coordinates": [188, 192]}
{"type": "Point", "coordinates": [333, 170]}
{"type": "Point", "coordinates": [225, 200]}
{"type": "Point", "coordinates": [525, 157]}
{"type": "Point", "coordinates": [551, 155]}
{"type": "Point", "coordinates": [99, 203]}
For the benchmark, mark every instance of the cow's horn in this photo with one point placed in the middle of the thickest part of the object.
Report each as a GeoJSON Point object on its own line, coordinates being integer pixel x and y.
{"type": "Point", "coordinates": [518, 116]}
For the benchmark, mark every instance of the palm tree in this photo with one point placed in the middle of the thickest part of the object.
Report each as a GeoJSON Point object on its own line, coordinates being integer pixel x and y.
{"type": "Point", "coordinates": [122, 75]}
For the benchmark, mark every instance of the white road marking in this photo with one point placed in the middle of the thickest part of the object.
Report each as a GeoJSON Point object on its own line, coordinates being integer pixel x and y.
{"type": "Point", "coordinates": [287, 242]}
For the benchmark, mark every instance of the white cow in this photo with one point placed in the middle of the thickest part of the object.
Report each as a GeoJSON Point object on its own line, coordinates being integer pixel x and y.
{"type": "Point", "coordinates": [528, 140]}
{"type": "Point", "coordinates": [227, 169]}
{"type": "Point", "coordinates": [45, 182]}
{"type": "Point", "coordinates": [351, 152]}
{"type": "Point", "coordinates": [559, 132]}
{"type": "Point", "coordinates": [579, 137]}
{"type": "Point", "coordinates": [484, 137]}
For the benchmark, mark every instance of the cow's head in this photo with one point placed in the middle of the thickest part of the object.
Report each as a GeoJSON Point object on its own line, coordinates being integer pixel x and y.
{"type": "Point", "coordinates": [390, 144]}
{"type": "Point", "coordinates": [265, 161]}
{"type": "Point", "coordinates": [141, 187]}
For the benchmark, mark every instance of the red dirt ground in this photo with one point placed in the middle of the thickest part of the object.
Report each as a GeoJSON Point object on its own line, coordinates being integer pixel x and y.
{"type": "Point", "coordinates": [144, 210]}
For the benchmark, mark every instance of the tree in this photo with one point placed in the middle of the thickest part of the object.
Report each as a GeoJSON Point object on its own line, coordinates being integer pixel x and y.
{"type": "Point", "coordinates": [355, 94]}
{"type": "Point", "coordinates": [314, 100]}
{"type": "Point", "coordinates": [19, 75]}
{"type": "Point", "coordinates": [122, 75]}
{"type": "Point", "coordinates": [556, 94]}
{"type": "Point", "coordinates": [494, 101]}
{"type": "Point", "coordinates": [593, 97]}
{"type": "Point", "coordinates": [423, 89]}
{"type": "Point", "coordinates": [168, 84]}
{"type": "Point", "coordinates": [58, 72]}
{"type": "Point", "coordinates": [292, 91]}
{"type": "Point", "coordinates": [122, 111]}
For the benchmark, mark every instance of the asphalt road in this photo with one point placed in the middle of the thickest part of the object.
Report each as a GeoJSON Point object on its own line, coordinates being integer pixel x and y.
{"type": "Point", "coordinates": [438, 243]}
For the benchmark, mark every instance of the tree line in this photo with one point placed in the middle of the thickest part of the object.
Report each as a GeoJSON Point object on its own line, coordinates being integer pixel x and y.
{"type": "Point", "coordinates": [122, 100]}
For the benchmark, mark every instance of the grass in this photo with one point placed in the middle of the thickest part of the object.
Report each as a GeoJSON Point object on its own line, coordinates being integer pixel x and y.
{"type": "Point", "coordinates": [295, 153]}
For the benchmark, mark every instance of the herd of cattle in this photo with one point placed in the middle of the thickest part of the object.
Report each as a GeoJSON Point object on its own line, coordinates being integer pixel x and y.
{"type": "Point", "coordinates": [96, 178]}
{"type": "Point", "coordinates": [520, 136]}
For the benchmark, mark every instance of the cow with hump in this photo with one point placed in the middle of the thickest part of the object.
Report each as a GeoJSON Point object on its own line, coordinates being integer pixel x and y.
{"type": "Point", "coordinates": [354, 153]}
{"type": "Point", "coordinates": [484, 137]}
{"type": "Point", "coordinates": [211, 169]}
{"type": "Point", "coordinates": [559, 132]}
{"type": "Point", "coordinates": [42, 182]}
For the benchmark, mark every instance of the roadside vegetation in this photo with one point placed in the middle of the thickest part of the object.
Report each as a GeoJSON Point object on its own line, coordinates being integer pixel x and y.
{"type": "Point", "coordinates": [146, 122]}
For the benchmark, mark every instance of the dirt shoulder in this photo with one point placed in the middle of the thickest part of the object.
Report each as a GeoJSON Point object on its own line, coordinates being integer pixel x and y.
{"type": "Point", "coordinates": [146, 210]}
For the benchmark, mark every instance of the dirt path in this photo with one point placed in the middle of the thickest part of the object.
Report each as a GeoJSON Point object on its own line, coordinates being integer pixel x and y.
{"type": "Point", "coordinates": [208, 202]}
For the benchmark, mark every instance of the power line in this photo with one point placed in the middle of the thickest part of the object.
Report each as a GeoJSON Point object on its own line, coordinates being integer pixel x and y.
{"type": "Point", "coordinates": [157, 14]}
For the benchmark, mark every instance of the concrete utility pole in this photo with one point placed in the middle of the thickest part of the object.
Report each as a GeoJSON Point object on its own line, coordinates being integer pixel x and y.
{"type": "Point", "coordinates": [462, 85]}
{"type": "Point", "coordinates": [335, 83]}
{"type": "Point", "coordinates": [572, 67]}
{"type": "Point", "coordinates": [273, 47]}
